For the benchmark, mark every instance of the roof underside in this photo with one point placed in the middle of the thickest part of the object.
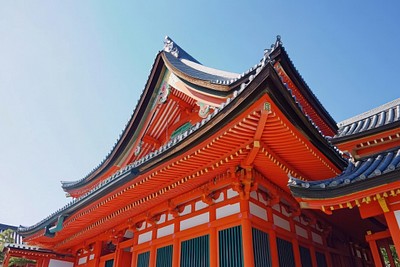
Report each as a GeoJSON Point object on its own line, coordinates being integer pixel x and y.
{"type": "Point", "coordinates": [290, 142]}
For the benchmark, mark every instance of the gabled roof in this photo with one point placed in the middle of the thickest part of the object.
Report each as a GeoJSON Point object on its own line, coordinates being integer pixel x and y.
{"type": "Point", "coordinates": [379, 169]}
{"type": "Point", "coordinates": [256, 83]}
{"type": "Point", "coordinates": [381, 118]}
{"type": "Point", "coordinates": [210, 82]}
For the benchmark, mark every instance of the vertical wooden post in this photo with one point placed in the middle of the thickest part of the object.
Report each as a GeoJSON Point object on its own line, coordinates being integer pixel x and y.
{"type": "Point", "coordinates": [313, 256]}
{"type": "Point", "coordinates": [393, 226]}
{"type": "Point", "coordinates": [175, 247]}
{"type": "Point", "coordinates": [97, 252]}
{"type": "Point", "coordinates": [375, 253]}
{"type": "Point", "coordinates": [46, 262]}
{"type": "Point", "coordinates": [272, 239]}
{"type": "Point", "coordinates": [213, 239]}
{"type": "Point", "coordinates": [152, 260]}
{"type": "Point", "coordinates": [6, 260]}
{"type": "Point", "coordinates": [134, 251]}
{"type": "Point", "coordinates": [295, 243]}
{"type": "Point", "coordinates": [247, 235]}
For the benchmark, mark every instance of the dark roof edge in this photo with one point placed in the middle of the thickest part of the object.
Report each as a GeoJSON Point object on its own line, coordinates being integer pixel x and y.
{"type": "Point", "coordinates": [300, 83]}
{"type": "Point", "coordinates": [123, 139]}
{"type": "Point", "coordinates": [346, 138]}
{"type": "Point", "coordinates": [328, 193]}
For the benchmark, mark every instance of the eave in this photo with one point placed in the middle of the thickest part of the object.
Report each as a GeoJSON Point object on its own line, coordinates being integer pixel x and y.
{"type": "Point", "coordinates": [265, 82]}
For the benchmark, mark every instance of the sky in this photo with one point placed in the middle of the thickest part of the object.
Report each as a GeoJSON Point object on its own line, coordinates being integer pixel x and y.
{"type": "Point", "coordinates": [71, 73]}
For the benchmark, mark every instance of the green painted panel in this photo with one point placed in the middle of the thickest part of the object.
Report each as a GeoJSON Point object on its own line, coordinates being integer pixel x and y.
{"type": "Point", "coordinates": [230, 247]}
{"type": "Point", "coordinates": [164, 256]}
{"type": "Point", "coordinates": [196, 252]}
{"type": "Point", "coordinates": [143, 259]}
{"type": "Point", "coordinates": [321, 260]}
{"type": "Point", "coordinates": [109, 263]}
{"type": "Point", "coordinates": [261, 249]}
{"type": "Point", "coordinates": [305, 256]}
{"type": "Point", "coordinates": [285, 253]}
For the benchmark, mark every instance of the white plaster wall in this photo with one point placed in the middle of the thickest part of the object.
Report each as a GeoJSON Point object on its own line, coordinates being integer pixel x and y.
{"type": "Point", "coordinates": [316, 238]}
{"type": "Point", "coordinates": [200, 205]}
{"type": "Point", "coordinates": [194, 221]}
{"type": "Point", "coordinates": [278, 221]}
{"type": "Point", "coordinates": [82, 260]}
{"type": "Point", "coordinates": [186, 210]}
{"type": "Point", "coordinates": [227, 210]}
{"type": "Point", "coordinates": [301, 231]}
{"type": "Point", "coordinates": [58, 263]}
{"type": "Point", "coordinates": [231, 193]}
{"type": "Point", "coordinates": [258, 211]}
{"type": "Point", "coordinates": [166, 230]}
{"type": "Point", "coordinates": [145, 237]}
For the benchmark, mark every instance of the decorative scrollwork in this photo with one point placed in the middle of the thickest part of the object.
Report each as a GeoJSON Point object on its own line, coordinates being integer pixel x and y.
{"type": "Point", "coordinates": [204, 109]}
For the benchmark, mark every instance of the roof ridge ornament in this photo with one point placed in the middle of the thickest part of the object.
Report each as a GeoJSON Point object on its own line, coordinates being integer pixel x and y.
{"type": "Point", "coordinates": [171, 47]}
{"type": "Point", "coordinates": [268, 51]}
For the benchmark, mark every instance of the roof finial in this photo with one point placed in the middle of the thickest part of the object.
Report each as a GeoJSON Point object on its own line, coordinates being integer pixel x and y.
{"type": "Point", "coordinates": [170, 47]}
{"type": "Point", "coordinates": [278, 41]}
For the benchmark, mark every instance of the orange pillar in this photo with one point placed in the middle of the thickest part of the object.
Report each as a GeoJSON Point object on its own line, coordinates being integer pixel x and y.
{"type": "Point", "coordinates": [134, 251]}
{"type": "Point", "coordinates": [313, 256]}
{"type": "Point", "coordinates": [295, 243]}
{"type": "Point", "coordinates": [46, 262]}
{"type": "Point", "coordinates": [393, 226]}
{"type": "Point", "coordinates": [152, 260]}
{"type": "Point", "coordinates": [272, 239]}
{"type": "Point", "coordinates": [213, 247]}
{"type": "Point", "coordinates": [375, 253]}
{"type": "Point", "coordinates": [247, 235]}
{"type": "Point", "coordinates": [6, 260]}
{"type": "Point", "coordinates": [175, 247]}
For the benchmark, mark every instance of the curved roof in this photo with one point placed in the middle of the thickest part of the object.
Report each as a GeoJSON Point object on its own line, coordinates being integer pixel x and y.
{"type": "Point", "coordinates": [284, 96]}
{"type": "Point", "coordinates": [387, 115]}
{"type": "Point", "coordinates": [360, 175]}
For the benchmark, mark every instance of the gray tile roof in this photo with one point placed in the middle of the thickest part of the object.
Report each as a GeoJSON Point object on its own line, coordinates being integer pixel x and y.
{"type": "Point", "coordinates": [384, 115]}
{"type": "Point", "coordinates": [362, 170]}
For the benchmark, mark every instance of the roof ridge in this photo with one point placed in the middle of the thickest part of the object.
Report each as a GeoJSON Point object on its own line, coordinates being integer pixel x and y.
{"type": "Point", "coordinates": [370, 113]}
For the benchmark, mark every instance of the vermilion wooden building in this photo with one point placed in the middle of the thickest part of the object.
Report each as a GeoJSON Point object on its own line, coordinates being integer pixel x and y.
{"type": "Point", "coordinates": [199, 177]}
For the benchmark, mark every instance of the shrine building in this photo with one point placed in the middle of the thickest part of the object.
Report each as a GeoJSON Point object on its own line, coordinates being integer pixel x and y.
{"type": "Point", "coordinates": [223, 169]}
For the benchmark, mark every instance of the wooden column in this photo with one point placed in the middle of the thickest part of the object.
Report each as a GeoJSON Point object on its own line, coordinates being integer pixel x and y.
{"type": "Point", "coordinates": [175, 247]}
{"type": "Point", "coordinates": [272, 239]}
{"type": "Point", "coordinates": [46, 262]}
{"type": "Point", "coordinates": [295, 243]}
{"type": "Point", "coordinates": [134, 251]}
{"type": "Point", "coordinates": [213, 239]}
{"type": "Point", "coordinates": [6, 260]}
{"type": "Point", "coordinates": [394, 229]}
{"type": "Point", "coordinates": [247, 235]}
{"type": "Point", "coordinates": [375, 253]}
{"type": "Point", "coordinates": [313, 256]}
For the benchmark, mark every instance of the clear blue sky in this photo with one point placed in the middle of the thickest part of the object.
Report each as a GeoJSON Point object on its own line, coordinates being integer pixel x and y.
{"type": "Point", "coordinates": [71, 73]}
